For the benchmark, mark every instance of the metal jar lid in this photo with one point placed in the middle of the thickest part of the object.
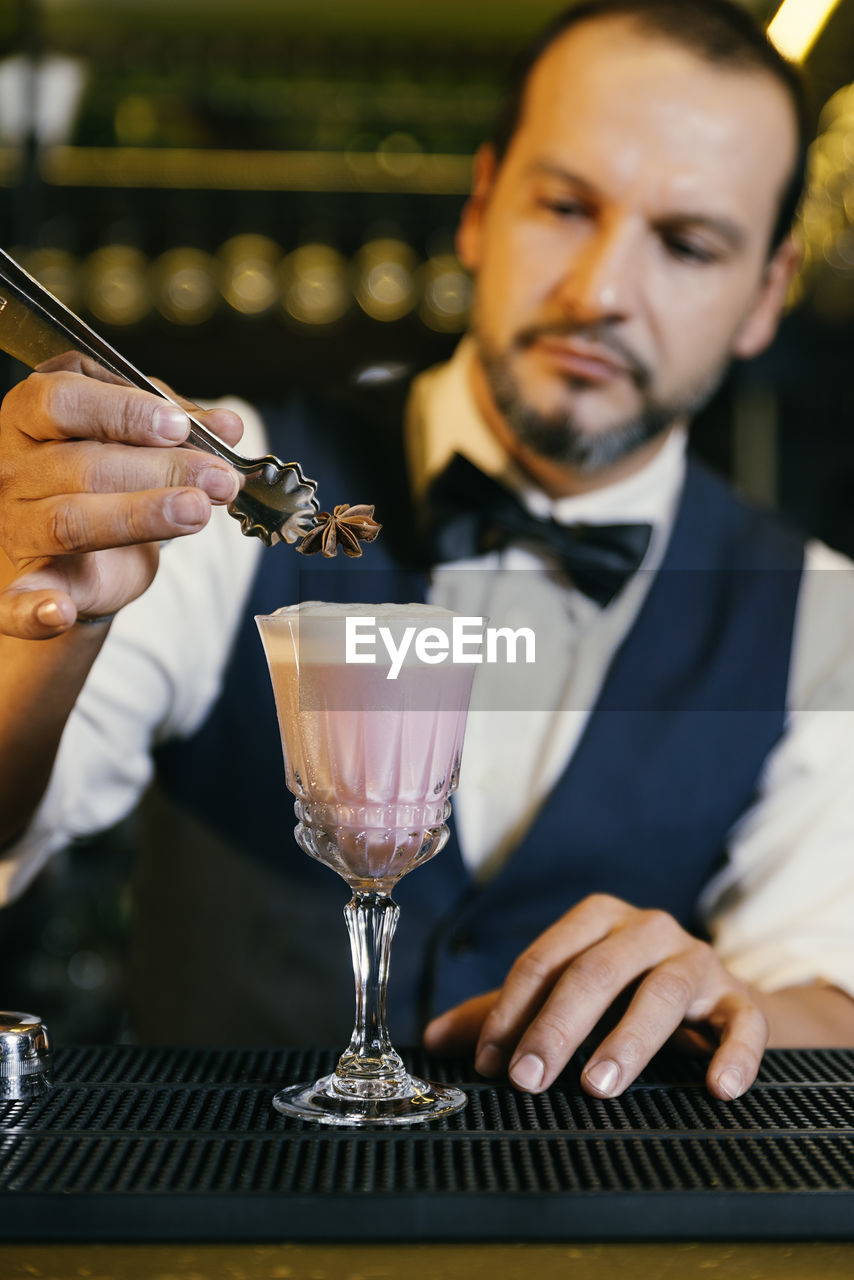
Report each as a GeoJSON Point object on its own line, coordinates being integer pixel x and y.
{"type": "Point", "coordinates": [25, 1056]}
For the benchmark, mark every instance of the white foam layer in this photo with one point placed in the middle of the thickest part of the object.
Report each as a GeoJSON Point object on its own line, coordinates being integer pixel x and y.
{"type": "Point", "coordinates": [382, 612]}
{"type": "Point", "coordinates": [315, 632]}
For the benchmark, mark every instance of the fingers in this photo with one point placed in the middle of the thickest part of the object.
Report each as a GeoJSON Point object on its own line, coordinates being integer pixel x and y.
{"type": "Point", "coordinates": [652, 1017]}
{"type": "Point", "coordinates": [49, 595]}
{"type": "Point", "coordinates": [222, 422]}
{"type": "Point", "coordinates": [562, 987]}
{"type": "Point", "coordinates": [97, 521]}
{"type": "Point", "coordinates": [71, 489]}
{"type": "Point", "coordinates": [67, 405]}
{"type": "Point", "coordinates": [70, 406]}
{"type": "Point", "coordinates": [554, 957]}
{"type": "Point", "coordinates": [92, 467]}
{"type": "Point", "coordinates": [31, 612]}
{"type": "Point", "coordinates": [744, 1036]}
{"type": "Point", "coordinates": [75, 362]}
{"type": "Point", "coordinates": [457, 1030]}
{"type": "Point", "coordinates": [656, 1011]}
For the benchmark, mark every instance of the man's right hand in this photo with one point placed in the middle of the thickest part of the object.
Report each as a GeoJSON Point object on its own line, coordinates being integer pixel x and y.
{"type": "Point", "coordinates": [92, 479]}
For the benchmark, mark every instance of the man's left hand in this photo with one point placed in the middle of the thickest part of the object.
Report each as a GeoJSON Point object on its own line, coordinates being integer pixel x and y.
{"type": "Point", "coordinates": [563, 985]}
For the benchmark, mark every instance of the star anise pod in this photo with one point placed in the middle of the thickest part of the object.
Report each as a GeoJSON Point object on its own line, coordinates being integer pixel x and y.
{"type": "Point", "coordinates": [345, 527]}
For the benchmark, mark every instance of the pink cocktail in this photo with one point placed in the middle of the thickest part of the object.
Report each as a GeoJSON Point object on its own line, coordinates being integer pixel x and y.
{"type": "Point", "coordinates": [372, 736]}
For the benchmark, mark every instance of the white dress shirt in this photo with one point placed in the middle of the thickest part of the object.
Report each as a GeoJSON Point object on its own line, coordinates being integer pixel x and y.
{"type": "Point", "coordinates": [781, 911]}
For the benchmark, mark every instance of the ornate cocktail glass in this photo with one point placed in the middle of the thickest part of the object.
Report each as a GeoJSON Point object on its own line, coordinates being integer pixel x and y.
{"type": "Point", "coordinates": [372, 755]}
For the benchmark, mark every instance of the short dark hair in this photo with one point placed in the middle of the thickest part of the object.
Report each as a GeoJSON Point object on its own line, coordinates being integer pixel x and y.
{"type": "Point", "coordinates": [720, 31]}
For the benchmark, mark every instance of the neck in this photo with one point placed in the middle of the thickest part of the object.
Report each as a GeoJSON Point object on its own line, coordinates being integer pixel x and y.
{"type": "Point", "coordinates": [555, 478]}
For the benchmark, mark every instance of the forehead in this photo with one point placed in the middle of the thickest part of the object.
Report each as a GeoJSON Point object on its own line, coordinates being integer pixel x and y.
{"type": "Point", "coordinates": [624, 107]}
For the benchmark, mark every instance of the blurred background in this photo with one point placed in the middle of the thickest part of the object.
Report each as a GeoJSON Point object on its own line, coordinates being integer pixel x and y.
{"type": "Point", "coordinates": [261, 198]}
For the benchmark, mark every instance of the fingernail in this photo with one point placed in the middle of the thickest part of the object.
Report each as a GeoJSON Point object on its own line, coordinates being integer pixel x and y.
{"type": "Point", "coordinates": [603, 1075]}
{"type": "Point", "coordinates": [170, 424]}
{"type": "Point", "coordinates": [731, 1083]}
{"type": "Point", "coordinates": [218, 483]}
{"type": "Point", "coordinates": [185, 508]}
{"type": "Point", "coordinates": [49, 614]}
{"type": "Point", "coordinates": [528, 1072]}
{"type": "Point", "coordinates": [490, 1060]}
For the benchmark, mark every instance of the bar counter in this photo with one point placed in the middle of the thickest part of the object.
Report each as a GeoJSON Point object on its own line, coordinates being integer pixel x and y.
{"type": "Point", "coordinates": [741, 1261]}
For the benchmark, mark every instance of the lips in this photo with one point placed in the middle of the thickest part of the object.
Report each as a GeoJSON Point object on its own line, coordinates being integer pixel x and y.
{"type": "Point", "coordinates": [580, 360]}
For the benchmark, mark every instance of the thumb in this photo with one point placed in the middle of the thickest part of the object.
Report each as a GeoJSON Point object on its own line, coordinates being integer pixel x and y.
{"type": "Point", "coordinates": [34, 607]}
{"type": "Point", "coordinates": [457, 1030]}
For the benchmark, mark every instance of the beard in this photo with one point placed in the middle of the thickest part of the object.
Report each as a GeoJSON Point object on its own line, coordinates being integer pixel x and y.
{"type": "Point", "coordinates": [558, 435]}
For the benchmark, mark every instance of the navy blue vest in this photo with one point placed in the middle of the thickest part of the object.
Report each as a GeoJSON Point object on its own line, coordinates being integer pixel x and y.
{"type": "Point", "coordinates": [692, 705]}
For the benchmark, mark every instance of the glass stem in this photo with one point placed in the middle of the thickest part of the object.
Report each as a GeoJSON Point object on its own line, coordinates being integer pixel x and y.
{"type": "Point", "coordinates": [371, 921]}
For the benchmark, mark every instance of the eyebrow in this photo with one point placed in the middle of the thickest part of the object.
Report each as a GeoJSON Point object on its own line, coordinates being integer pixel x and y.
{"type": "Point", "coordinates": [729, 230]}
{"type": "Point", "coordinates": [565, 175]}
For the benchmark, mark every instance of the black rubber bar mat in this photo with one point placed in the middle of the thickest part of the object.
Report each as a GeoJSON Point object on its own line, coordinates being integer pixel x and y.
{"type": "Point", "coordinates": [136, 1144]}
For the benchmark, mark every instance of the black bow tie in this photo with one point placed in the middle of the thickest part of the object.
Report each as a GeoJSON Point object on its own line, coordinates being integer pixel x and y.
{"type": "Point", "coordinates": [468, 513]}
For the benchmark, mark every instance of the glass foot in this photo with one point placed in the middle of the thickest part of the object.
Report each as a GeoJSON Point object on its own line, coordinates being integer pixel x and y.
{"type": "Point", "coordinates": [324, 1103]}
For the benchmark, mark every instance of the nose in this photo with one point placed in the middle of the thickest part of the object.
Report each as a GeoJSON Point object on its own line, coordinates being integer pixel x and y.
{"type": "Point", "coordinates": [600, 284]}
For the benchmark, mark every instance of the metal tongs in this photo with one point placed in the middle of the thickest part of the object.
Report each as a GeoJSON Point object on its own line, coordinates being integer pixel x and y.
{"type": "Point", "coordinates": [276, 502]}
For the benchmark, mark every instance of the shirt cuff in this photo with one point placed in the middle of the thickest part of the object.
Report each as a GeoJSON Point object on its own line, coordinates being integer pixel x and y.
{"type": "Point", "coordinates": [771, 968]}
{"type": "Point", "coordinates": [21, 861]}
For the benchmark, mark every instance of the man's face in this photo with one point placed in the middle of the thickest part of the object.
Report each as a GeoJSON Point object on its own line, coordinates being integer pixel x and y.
{"type": "Point", "coordinates": [620, 249]}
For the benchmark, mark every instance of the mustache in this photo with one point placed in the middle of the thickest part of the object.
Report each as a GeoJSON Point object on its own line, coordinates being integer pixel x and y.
{"type": "Point", "coordinates": [599, 335]}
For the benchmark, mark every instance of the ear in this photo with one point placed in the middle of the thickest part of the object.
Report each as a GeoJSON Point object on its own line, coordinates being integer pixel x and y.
{"type": "Point", "coordinates": [469, 232]}
{"type": "Point", "coordinates": [760, 326]}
